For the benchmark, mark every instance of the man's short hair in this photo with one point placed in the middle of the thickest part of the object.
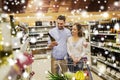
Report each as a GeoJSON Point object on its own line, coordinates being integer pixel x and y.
{"type": "Point", "coordinates": [61, 17]}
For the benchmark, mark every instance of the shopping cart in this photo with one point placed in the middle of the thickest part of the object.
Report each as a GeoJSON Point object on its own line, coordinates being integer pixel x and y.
{"type": "Point", "coordinates": [82, 66]}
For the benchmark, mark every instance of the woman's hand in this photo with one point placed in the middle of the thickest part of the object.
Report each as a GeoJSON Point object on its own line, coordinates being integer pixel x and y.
{"type": "Point", "coordinates": [85, 44]}
{"type": "Point", "coordinates": [75, 60]}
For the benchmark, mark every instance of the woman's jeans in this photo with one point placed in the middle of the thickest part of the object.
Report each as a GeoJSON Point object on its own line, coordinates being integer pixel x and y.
{"type": "Point", "coordinates": [74, 68]}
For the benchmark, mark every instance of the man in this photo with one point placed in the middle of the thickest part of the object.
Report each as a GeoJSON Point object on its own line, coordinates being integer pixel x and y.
{"type": "Point", "coordinates": [59, 45]}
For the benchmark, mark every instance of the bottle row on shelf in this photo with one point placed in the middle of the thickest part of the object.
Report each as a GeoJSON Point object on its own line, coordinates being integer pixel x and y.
{"type": "Point", "coordinates": [105, 49]}
{"type": "Point", "coordinates": [106, 56]}
{"type": "Point", "coordinates": [107, 72]}
{"type": "Point", "coordinates": [111, 26]}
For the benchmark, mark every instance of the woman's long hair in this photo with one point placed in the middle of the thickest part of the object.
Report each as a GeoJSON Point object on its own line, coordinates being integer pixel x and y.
{"type": "Point", "coordinates": [79, 28]}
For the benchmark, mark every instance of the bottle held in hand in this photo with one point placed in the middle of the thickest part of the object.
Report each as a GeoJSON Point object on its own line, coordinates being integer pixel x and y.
{"type": "Point", "coordinates": [51, 38]}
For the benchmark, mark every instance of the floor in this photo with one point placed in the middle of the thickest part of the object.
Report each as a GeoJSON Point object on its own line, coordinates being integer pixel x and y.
{"type": "Point", "coordinates": [42, 64]}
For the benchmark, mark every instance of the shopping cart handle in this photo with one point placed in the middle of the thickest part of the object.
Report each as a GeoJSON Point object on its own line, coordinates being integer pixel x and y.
{"type": "Point", "coordinates": [84, 58]}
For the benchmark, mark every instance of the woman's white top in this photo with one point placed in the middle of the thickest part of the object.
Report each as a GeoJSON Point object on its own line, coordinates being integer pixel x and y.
{"type": "Point", "coordinates": [77, 49]}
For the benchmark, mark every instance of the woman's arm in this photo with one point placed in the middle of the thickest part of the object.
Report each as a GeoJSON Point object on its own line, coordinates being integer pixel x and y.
{"type": "Point", "coordinates": [69, 47]}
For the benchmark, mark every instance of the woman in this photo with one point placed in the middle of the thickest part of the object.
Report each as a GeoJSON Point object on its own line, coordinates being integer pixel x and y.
{"type": "Point", "coordinates": [76, 45]}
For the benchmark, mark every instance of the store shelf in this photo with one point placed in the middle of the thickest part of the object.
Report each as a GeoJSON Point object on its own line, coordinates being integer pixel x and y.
{"type": "Point", "coordinates": [104, 49]}
{"type": "Point", "coordinates": [109, 49]}
{"type": "Point", "coordinates": [41, 26]}
{"type": "Point", "coordinates": [105, 62]}
{"type": "Point", "coordinates": [113, 34]}
{"type": "Point", "coordinates": [107, 77]}
{"type": "Point", "coordinates": [41, 41]}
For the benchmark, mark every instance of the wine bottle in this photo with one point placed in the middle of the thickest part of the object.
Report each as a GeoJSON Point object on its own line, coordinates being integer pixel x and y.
{"type": "Point", "coordinates": [51, 38]}
{"type": "Point", "coordinates": [13, 30]}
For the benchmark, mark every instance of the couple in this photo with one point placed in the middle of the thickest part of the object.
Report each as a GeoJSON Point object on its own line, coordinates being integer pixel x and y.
{"type": "Point", "coordinates": [66, 44]}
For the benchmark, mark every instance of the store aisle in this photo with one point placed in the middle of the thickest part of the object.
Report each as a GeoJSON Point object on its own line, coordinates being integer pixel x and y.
{"type": "Point", "coordinates": [42, 64]}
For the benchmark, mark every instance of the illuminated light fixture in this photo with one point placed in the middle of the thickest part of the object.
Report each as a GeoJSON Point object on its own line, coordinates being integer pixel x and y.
{"type": "Point", "coordinates": [105, 1]}
{"type": "Point", "coordinates": [99, 10]}
{"type": "Point", "coordinates": [86, 7]}
{"type": "Point", "coordinates": [12, 3]}
{"type": "Point", "coordinates": [67, 8]}
{"type": "Point", "coordinates": [116, 3]}
{"type": "Point", "coordinates": [99, 2]}
{"type": "Point", "coordinates": [84, 13]}
{"type": "Point", "coordinates": [17, 11]}
{"type": "Point", "coordinates": [24, 6]}
{"type": "Point", "coordinates": [73, 12]}
{"type": "Point", "coordinates": [53, 5]}
{"type": "Point", "coordinates": [55, 0]}
{"type": "Point", "coordinates": [29, 6]}
{"type": "Point", "coordinates": [28, 16]}
{"type": "Point", "coordinates": [105, 15]}
{"type": "Point", "coordinates": [78, 11]}
{"type": "Point", "coordinates": [22, 1]}
{"type": "Point", "coordinates": [108, 7]}
{"type": "Point", "coordinates": [57, 5]}
{"type": "Point", "coordinates": [102, 7]}
{"type": "Point", "coordinates": [75, 2]}
{"type": "Point", "coordinates": [40, 4]}
{"type": "Point", "coordinates": [39, 14]}
{"type": "Point", "coordinates": [5, 7]}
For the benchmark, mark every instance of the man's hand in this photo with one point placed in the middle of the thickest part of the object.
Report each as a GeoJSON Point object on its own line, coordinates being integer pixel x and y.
{"type": "Point", "coordinates": [52, 44]}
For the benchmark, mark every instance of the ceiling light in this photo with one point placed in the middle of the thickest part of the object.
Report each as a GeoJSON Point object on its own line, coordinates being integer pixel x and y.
{"type": "Point", "coordinates": [5, 7]}
{"type": "Point", "coordinates": [40, 4]}
{"type": "Point", "coordinates": [55, 0]}
{"type": "Point", "coordinates": [75, 2]}
{"type": "Point", "coordinates": [105, 1]}
{"type": "Point", "coordinates": [67, 8]}
{"type": "Point", "coordinates": [23, 1]}
{"type": "Point", "coordinates": [29, 6]}
{"type": "Point", "coordinates": [101, 7]}
{"type": "Point", "coordinates": [86, 7]}
{"type": "Point", "coordinates": [105, 14]}
{"type": "Point", "coordinates": [98, 1]}
{"type": "Point", "coordinates": [116, 3]}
